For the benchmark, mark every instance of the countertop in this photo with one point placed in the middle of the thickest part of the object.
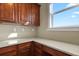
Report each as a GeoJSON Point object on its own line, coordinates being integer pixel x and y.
{"type": "Point", "coordinates": [61, 46]}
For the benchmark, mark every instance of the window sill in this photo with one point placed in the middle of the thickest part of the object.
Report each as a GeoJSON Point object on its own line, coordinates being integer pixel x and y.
{"type": "Point", "coordinates": [63, 29]}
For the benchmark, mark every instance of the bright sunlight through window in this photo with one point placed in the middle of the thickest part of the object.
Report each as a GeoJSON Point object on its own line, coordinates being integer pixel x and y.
{"type": "Point", "coordinates": [64, 15]}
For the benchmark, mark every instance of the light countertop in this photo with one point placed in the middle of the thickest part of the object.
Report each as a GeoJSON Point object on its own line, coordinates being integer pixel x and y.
{"type": "Point", "coordinates": [61, 46]}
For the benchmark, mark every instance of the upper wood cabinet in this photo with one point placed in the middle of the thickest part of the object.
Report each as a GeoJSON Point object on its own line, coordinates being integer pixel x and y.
{"type": "Point", "coordinates": [35, 14]}
{"type": "Point", "coordinates": [24, 14]}
{"type": "Point", "coordinates": [20, 13]}
{"type": "Point", "coordinates": [7, 12]}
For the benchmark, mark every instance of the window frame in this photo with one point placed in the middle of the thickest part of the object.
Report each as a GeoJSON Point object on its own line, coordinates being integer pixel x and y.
{"type": "Point", "coordinates": [51, 28]}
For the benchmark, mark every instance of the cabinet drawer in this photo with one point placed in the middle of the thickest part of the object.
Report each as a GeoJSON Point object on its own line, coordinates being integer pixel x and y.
{"type": "Point", "coordinates": [7, 49]}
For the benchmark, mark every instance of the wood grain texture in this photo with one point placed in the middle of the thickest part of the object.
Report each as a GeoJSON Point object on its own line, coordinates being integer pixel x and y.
{"type": "Point", "coordinates": [30, 49]}
{"type": "Point", "coordinates": [8, 51]}
{"type": "Point", "coordinates": [20, 13]}
{"type": "Point", "coordinates": [24, 49]}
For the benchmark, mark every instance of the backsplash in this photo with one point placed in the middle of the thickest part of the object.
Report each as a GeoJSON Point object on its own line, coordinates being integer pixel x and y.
{"type": "Point", "coordinates": [8, 31]}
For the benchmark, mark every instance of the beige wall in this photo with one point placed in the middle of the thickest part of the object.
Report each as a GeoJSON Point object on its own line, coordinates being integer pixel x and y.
{"type": "Point", "coordinates": [23, 31]}
{"type": "Point", "coordinates": [66, 36]}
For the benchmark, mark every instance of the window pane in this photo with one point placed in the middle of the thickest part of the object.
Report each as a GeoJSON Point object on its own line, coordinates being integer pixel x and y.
{"type": "Point", "coordinates": [59, 6]}
{"type": "Point", "coordinates": [69, 18]}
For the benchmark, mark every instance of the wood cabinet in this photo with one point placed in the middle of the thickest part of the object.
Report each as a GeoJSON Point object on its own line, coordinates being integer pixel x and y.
{"type": "Point", "coordinates": [37, 49]}
{"type": "Point", "coordinates": [29, 14]}
{"type": "Point", "coordinates": [8, 51]}
{"type": "Point", "coordinates": [20, 13]}
{"type": "Point", "coordinates": [31, 48]}
{"type": "Point", "coordinates": [35, 14]}
{"type": "Point", "coordinates": [43, 50]}
{"type": "Point", "coordinates": [24, 49]}
{"type": "Point", "coordinates": [7, 12]}
{"type": "Point", "coordinates": [53, 52]}
{"type": "Point", "coordinates": [24, 13]}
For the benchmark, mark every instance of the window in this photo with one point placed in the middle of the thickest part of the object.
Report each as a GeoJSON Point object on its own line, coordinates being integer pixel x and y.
{"type": "Point", "coordinates": [64, 15]}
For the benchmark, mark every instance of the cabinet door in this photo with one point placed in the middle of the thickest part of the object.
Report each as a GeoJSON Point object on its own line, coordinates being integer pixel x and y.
{"type": "Point", "coordinates": [24, 49]}
{"type": "Point", "coordinates": [8, 51]}
{"type": "Point", "coordinates": [38, 49]}
{"type": "Point", "coordinates": [24, 13]}
{"type": "Point", "coordinates": [16, 13]}
{"type": "Point", "coordinates": [29, 14]}
{"type": "Point", "coordinates": [7, 12]}
{"type": "Point", "coordinates": [35, 15]}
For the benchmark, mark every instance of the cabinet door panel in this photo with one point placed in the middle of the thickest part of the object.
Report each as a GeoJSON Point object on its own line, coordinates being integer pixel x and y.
{"type": "Point", "coordinates": [7, 12]}
{"type": "Point", "coordinates": [16, 13]}
{"type": "Point", "coordinates": [24, 49]}
{"type": "Point", "coordinates": [38, 52]}
{"type": "Point", "coordinates": [35, 15]}
{"type": "Point", "coordinates": [10, 50]}
{"type": "Point", "coordinates": [37, 49]}
{"type": "Point", "coordinates": [24, 13]}
{"type": "Point", "coordinates": [28, 14]}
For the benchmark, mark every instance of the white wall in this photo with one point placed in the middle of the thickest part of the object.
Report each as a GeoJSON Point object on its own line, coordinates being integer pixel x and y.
{"type": "Point", "coordinates": [66, 36]}
{"type": "Point", "coordinates": [22, 31]}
